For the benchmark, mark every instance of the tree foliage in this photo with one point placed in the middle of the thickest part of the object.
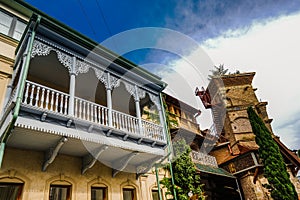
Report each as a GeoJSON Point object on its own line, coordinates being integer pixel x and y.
{"type": "Point", "coordinates": [217, 71]}
{"type": "Point", "coordinates": [275, 171]}
{"type": "Point", "coordinates": [185, 176]}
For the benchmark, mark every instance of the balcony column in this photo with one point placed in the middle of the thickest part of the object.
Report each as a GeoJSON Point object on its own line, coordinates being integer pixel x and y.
{"type": "Point", "coordinates": [162, 116]}
{"type": "Point", "coordinates": [72, 87]}
{"type": "Point", "coordinates": [109, 100]}
{"type": "Point", "coordinates": [138, 109]}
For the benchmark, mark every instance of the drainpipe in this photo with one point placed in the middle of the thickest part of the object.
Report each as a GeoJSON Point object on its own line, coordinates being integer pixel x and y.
{"type": "Point", "coordinates": [20, 91]}
{"type": "Point", "coordinates": [158, 183]}
{"type": "Point", "coordinates": [169, 146]}
{"type": "Point", "coordinates": [238, 188]}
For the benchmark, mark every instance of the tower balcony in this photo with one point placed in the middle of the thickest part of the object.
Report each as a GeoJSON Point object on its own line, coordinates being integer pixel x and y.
{"type": "Point", "coordinates": [204, 159]}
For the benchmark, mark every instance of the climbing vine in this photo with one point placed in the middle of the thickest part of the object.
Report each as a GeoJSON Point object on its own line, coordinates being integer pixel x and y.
{"type": "Point", "coordinates": [275, 171]}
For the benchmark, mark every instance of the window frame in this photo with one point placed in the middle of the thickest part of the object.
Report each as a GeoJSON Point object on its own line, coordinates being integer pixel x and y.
{"type": "Point", "coordinates": [69, 190]}
{"type": "Point", "coordinates": [13, 24]}
{"type": "Point", "coordinates": [100, 187]}
{"type": "Point", "coordinates": [154, 191]}
{"type": "Point", "coordinates": [133, 192]}
{"type": "Point", "coordinates": [20, 190]}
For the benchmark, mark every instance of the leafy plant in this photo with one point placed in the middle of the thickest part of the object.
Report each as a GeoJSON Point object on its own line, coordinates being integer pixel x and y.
{"type": "Point", "coordinates": [217, 71]}
{"type": "Point", "coordinates": [185, 176]}
{"type": "Point", "coordinates": [280, 186]}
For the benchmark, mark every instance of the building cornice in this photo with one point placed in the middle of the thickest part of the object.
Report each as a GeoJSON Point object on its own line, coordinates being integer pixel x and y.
{"type": "Point", "coordinates": [8, 40]}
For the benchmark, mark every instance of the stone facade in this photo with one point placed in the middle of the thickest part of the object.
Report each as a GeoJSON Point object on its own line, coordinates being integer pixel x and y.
{"type": "Point", "coordinates": [237, 93]}
{"type": "Point", "coordinates": [24, 166]}
{"type": "Point", "coordinates": [7, 48]}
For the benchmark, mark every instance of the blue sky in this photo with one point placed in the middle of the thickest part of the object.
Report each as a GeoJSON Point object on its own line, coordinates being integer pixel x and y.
{"type": "Point", "coordinates": [245, 35]}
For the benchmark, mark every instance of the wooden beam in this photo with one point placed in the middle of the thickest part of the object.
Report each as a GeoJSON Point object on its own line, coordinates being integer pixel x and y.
{"type": "Point", "coordinates": [121, 164]}
{"type": "Point", "coordinates": [255, 175]}
{"type": "Point", "coordinates": [52, 153]}
{"type": "Point", "coordinates": [145, 167]}
{"type": "Point", "coordinates": [89, 160]}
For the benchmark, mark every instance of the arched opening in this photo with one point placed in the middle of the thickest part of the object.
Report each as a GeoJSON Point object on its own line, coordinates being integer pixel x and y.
{"type": "Point", "coordinates": [122, 100]}
{"type": "Point", "coordinates": [99, 191]}
{"type": "Point", "coordinates": [154, 192]}
{"type": "Point", "coordinates": [129, 190]}
{"type": "Point", "coordinates": [89, 88]}
{"type": "Point", "coordinates": [60, 190]}
{"type": "Point", "coordinates": [47, 84]}
{"type": "Point", "coordinates": [149, 110]}
{"type": "Point", "coordinates": [129, 193]}
{"type": "Point", "coordinates": [49, 72]}
{"type": "Point", "coordinates": [11, 188]}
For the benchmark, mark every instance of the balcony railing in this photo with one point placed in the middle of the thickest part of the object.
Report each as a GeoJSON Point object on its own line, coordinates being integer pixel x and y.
{"type": "Point", "coordinates": [151, 130]}
{"type": "Point", "coordinates": [49, 100]}
{"type": "Point", "coordinates": [183, 122]}
{"type": "Point", "coordinates": [46, 98]}
{"type": "Point", "coordinates": [125, 122]}
{"type": "Point", "coordinates": [204, 159]}
{"type": "Point", "coordinates": [90, 111]}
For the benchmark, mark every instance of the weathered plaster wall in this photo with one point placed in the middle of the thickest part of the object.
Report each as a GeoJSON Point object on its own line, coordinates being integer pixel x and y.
{"type": "Point", "coordinates": [25, 166]}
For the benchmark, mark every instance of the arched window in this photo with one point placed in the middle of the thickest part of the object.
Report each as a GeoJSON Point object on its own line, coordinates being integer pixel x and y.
{"type": "Point", "coordinates": [129, 193]}
{"type": "Point", "coordinates": [155, 193]}
{"type": "Point", "coordinates": [99, 189]}
{"type": "Point", "coordinates": [129, 190]}
{"type": "Point", "coordinates": [99, 192]}
{"type": "Point", "coordinates": [11, 190]}
{"type": "Point", "coordinates": [11, 186]}
{"type": "Point", "coordinates": [60, 190]}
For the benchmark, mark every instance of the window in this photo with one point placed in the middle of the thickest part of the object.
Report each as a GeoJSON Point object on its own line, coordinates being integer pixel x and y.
{"type": "Point", "coordinates": [11, 25]}
{"type": "Point", "coordinates": [128, 194]}
{"type": "Point", "coordinates": [98, 193]}
{"type": "Point", "coordinates": [19, 29]}
{"type": "Point", "coordinates": [155, 195]}
{"type": "Point", "coordinates": [60, 192]}
{"type": "Point", "coordinates": [11, 191]}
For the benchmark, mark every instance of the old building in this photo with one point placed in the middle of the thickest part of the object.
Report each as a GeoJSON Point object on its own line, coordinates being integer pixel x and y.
{"type": "Point", "coordinates": [228, 97]}
{"type": "Point", "coordinates": [67, 104]}
{"type": "Point", "coordinates": [80, 122]}
{"type": "Point", "coordinates": [217, 182]}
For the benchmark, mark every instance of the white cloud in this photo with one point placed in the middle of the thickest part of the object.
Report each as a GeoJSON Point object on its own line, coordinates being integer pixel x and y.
{"type": "Point", "coordinates": [271, 50]}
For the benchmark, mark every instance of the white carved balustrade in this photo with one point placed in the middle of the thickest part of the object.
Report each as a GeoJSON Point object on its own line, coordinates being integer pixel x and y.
{"type": "Point", "coordinates": [125, 122]}
{"type": "Point", "coordinates": [203, 159]}
{"type": "Point", "coordinates": [48, 99]}
{"type": "Point", "coordinates": [90, 111]}
{"type": "Point", "coordinates": [151, 130]}
{"type": "Point", "coordinates": [45, 98]}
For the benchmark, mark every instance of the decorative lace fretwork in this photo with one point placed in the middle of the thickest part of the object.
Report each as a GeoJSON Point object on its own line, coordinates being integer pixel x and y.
{"type": "Point", "coordinates": [99, 73]}
{"type": "Point", "coordinates": [114, 81]}
{"type": "Point", "coordinates": [40, 49]}
{"type": "Point", "coordinates": [155, 100]}
{"type": "Point", "coordinates": [65, 59]}
{"type": "Point", "coordinates": [141, 93]}
{"type": "Point", "coordinates": [81, 67]}
{"type": "Point", "coordinates": [132, 91]}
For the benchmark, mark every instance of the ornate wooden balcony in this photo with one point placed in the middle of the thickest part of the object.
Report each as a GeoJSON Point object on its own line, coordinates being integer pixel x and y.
{"type": "Point", "coordinates": [48, 100]}
{"type": "Point", "coordinates": [70, 95]}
